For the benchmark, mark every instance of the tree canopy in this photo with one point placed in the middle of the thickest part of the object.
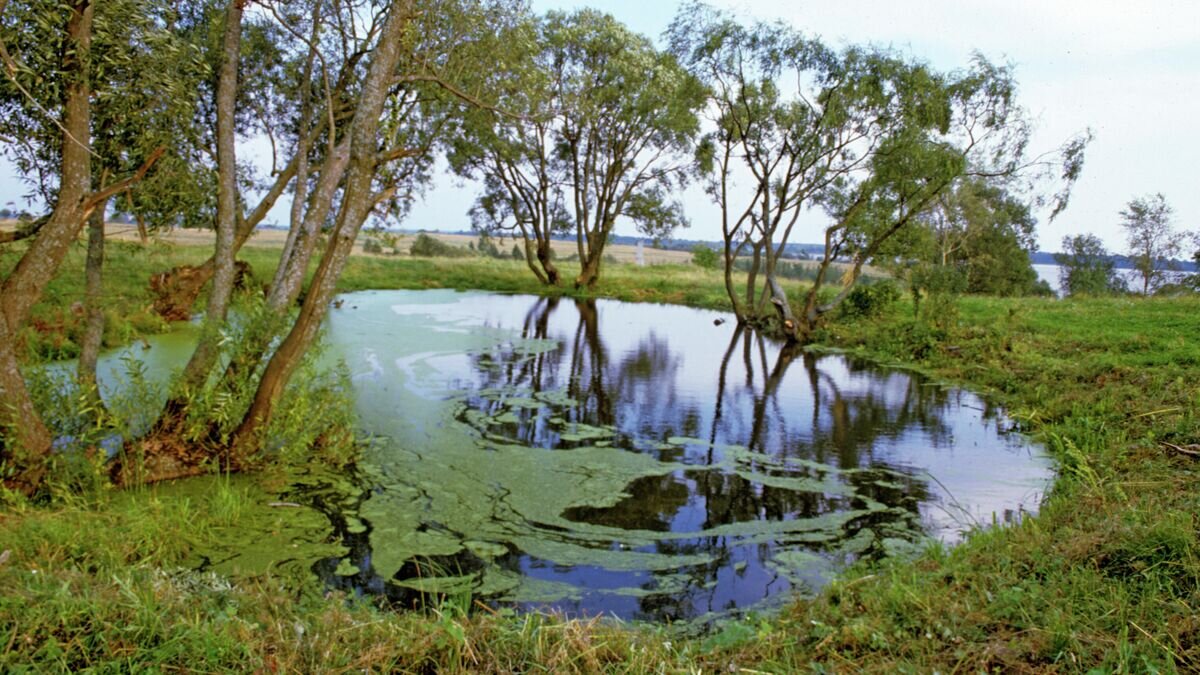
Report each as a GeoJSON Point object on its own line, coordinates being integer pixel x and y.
{"type": "Point", "coordinates": [863, 135]}
{"type": "Point", "coordinates": [1152, 239]}
{"type": "Point", "coordinates": [1086, 268]}
{"type": "Point", "coordinates": [591, 129]}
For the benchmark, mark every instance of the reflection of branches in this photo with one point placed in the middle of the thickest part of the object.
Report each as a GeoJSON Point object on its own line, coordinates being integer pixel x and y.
{"type": "Point", "coordinates": [589, 355]}
{"type": "Point", "coordinates": [721, 376]}
{"type": "Point", "coordinates": [634, 385]}
{"type": "Point", "coordinates": [770, 390]}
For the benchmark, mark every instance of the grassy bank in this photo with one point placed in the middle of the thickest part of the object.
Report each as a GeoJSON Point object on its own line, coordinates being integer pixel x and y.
{"type": "Point", "coordinates": [56, 325]}
{"type": "Point", "coordinates": [1106, 577]}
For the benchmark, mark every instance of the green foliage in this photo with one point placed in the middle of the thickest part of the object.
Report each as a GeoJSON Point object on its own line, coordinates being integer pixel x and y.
{"type": "Point", "coordinates": [705, 257]}
{"type": "Point", "coordinates": [787, 106]}
{"type": "Point", "coordinates": [586, 102]}
{"type": "Point", "coordinates": [1086, 267]}
{"type": "Point", "coordinates": [372, 245]}
{"type": "Point", "coordinates": [144, 79]}
{"type": "Point", "coordinates": [56, 325]}
{"type": "Point", "coordinates": [1100, 381]}
{"type": "Point", "coordinates": [868, 300]}
{"type": "Point", "coordinates": [1152, 239]}
{"type": "Point", "coordinates": [425, 246]}
{"type": "Point", "coordinates": [486, 247]}
{"type": "Point", "coordinates": [980, 230]}
{"type": "Point", "coordinates": [316, 421]}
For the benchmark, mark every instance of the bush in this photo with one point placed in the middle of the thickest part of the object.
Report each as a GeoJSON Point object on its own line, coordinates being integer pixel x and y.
{"type": "Point", "coordinates": [705, 257]}
{"type": "Point", "coordinates": [868, 300]}
{"type": "Point", "coordinates": [425, 246]}
{"type": "Point", "coordinates": [517, 253]}
{"type": "Point", "coordinates": [372, 246]}
{"type": "Point", "coordinates": [487, 248]}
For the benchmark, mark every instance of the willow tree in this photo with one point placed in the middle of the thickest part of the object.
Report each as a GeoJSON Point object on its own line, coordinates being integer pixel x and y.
{"type": "Point", "coordinates": [861, 135]}
{"type": "Point", "coordinates": [425, 60]}
{"type": "Point", "coordinates": [65, 122]}
{"type": "Point", "coordinates": [593, 128]}
{"type": "Point", "coordinates": [511, 150]}
{"type": "Point", "coordinates": [975, 238]}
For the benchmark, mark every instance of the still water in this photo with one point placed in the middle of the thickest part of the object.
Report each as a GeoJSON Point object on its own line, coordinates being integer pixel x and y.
{"type": "Point", "coordinates": [645, 461]}
{"type": "Point", "coordinates": [642, 461]}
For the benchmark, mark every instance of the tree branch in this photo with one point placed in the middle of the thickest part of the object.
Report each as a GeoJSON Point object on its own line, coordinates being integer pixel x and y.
{"type": "Point", "coordinates": [104, 194]}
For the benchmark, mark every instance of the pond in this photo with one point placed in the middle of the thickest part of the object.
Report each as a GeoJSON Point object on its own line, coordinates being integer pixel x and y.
{"type": "Point", "coordinates": [644, 461]}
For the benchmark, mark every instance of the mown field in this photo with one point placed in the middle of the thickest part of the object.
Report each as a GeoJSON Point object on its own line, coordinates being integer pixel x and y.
{"type": "Point", "coordinates": [1106, 578]}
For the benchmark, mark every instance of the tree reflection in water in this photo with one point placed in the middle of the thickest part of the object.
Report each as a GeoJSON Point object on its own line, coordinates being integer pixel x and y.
{"type": "Point", "coordinates": [778, 464]}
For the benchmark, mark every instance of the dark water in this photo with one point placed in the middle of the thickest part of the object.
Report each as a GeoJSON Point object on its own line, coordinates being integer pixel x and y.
{"type": "Point", "coordinates": [638, 460]}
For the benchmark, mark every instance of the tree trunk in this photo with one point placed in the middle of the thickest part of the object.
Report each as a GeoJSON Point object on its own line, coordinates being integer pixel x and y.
{"type": "Point", "coordinates": [208, 349]}
{"type": "Point", "coordinates": [285, 292]}
{"type": "Point", "coordinates": [28, 440]}
{"type": "Point", "coordinates": [730, 258]}
{"type": "Point", "coordinates": [546, 260]}
{"type": "Point", "coordinates": [143, 234]}
{"type": "Point", "coordinates": [303, 146]}
{"type": "Point", "coordinates": [589, 274]}
{"type": "Point", "coordinates": [533, 254]}
{"type": "Point", "coordinates": [25, 440]}
{"type": "Point", "coordinates": [355, 207]}
{"type": "Point", "coordinates": [791, 328]}
{"type": "Point", "coordinates": [93, 306]}
{"type": "Point", "coordinates": [176, 289]}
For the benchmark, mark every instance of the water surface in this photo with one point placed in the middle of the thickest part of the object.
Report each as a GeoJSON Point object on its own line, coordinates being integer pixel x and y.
{"type": "Point", "coordinates": [642, 460]}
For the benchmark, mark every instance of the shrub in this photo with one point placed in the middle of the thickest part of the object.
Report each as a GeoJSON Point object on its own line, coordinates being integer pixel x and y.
{"type": "Point", "coordinates": [487, 248]}
{"type": "Point", "coordinates": [868, 300]}
{"type": "Point", "coordinates": [425, 246]}
{"type": "Point", "coordinates": [705, 257]}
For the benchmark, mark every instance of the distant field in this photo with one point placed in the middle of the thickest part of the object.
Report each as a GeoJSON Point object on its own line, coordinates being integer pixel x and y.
{"type": "Point", "coordinates": [270, 238]}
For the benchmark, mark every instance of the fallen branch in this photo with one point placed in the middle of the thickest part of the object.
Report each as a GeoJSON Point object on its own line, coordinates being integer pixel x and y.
{"type": "Point", "coordinates": [24, 231]}
{"type": "Point", "coordinates": [1192, 450]}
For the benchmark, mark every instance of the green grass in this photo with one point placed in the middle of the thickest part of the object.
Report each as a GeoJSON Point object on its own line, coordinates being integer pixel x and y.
{"type": "Point", "coordinates": [1106, 578]}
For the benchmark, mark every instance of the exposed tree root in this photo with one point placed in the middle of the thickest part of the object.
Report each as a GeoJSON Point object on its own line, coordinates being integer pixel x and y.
{"type": "Point", "coordinates": [176, 290]}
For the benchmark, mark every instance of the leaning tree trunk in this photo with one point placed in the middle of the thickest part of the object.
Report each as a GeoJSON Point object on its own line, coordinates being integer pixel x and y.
{"type": "Point", "coordinates": [292, 267]}
{"type": "Point", "coordinates": [303, 146]}
{"type": "Point", "coordinates": [28, 440]}
{"type": "Point", "coordinates": [545, 256]}
{"type": "Point", "coordinates": [93, 307]}
{"type": "Point", "coordinates": [355, 207]}
{"type": "Point", "coordinates": [206, 353]}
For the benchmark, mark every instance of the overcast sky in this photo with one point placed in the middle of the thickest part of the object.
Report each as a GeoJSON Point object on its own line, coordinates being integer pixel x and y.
{"type": "Point", "coordinates": [1128, 70]}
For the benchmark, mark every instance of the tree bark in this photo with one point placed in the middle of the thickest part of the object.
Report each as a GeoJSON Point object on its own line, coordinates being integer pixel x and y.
{"type": "Point", "coordinates": [545, 257]}
{"type": "Point", "coordinates": [355, 207]}
{"type": "Point", "coordinates": [28, 439]}
{"type": "Point", "coordinates": [303, 146]}
{"type": "Point", "coordinates": [208, 349]}
{"type": "Point", "coordinates": [285, 292]}
{"type": "Point", "coordinates": [93, 308]}
{"type": "Point", "coordinates": [589, 274]}
{"type": "Point", "coordinates": [780, 300]}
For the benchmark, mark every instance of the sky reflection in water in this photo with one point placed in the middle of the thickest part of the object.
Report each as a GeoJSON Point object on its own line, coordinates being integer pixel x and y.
{"type": "Point", "coordinates": [638, 460]}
